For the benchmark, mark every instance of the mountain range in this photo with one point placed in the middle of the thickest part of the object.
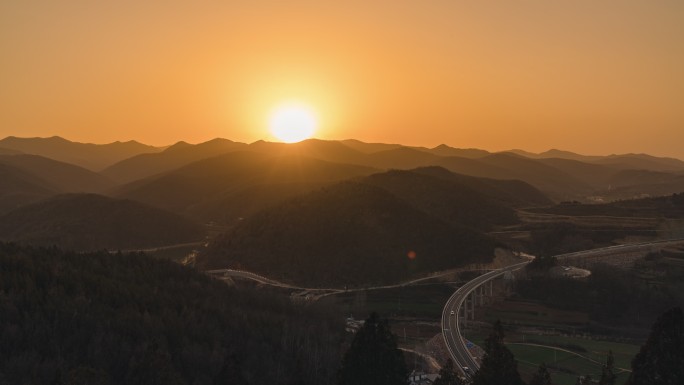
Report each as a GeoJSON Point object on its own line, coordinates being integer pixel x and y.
{"type": "Point", "coordinates": [91, 156]}
{"type": "Point", "coordinates": [274, 199]}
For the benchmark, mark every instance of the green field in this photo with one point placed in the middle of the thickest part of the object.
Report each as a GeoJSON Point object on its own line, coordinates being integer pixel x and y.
{"type": "Point", "coordinates": [565, 367]}
{"type": "Point", "coordinates": [420, 301]}
{"type": "Point", "coordinates": [594, 349]}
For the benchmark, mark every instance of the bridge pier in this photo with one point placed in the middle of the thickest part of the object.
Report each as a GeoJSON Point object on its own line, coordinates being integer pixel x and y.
{"type": "Point", "coordinates": [482, 295]}
{"type": "Point", "coordinates": [473, 300]}
{"type": "Point", "coordinates": [465, 312]}
{"type": "Point", "coordinates": [478, 297]}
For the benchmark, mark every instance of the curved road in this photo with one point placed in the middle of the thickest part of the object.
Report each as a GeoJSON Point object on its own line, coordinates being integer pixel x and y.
{"type": "Point", "coordinates": [450, 323]}
{"type": "Point", "coordinates": [322, 292]}
{"type": "Point", "coordinates": [456, 344]}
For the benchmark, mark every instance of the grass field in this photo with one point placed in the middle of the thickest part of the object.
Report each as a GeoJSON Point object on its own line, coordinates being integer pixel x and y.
{"type": "Point", "coordinates": [565, 367]}
{"type": "Point", "coordinates": [594, 349]}
{"type": "Point", "coordinates": [420, 301]}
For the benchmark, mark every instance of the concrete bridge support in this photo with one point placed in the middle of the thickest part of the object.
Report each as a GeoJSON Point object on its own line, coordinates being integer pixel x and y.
{"type": "Point", "coordinates": [482, 295]}
{"type": "Point", "coordinates": [477, 297]}
{"type": "Point", "coordinates": [473, 302]}
{"type": "Point", "coordinates": [464, 313]}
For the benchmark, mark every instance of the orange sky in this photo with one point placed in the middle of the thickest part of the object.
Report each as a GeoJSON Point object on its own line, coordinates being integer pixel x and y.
{"type": "Point", "coordinates": [583, 75]}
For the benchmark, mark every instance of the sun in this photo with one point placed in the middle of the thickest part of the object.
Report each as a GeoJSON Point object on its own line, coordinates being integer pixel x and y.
{"type": "Point", "coordinates": [292, 122]}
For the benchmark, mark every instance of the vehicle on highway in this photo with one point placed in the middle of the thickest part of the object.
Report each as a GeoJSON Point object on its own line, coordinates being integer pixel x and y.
{"type": "Point", "coordinates": [452, 312]}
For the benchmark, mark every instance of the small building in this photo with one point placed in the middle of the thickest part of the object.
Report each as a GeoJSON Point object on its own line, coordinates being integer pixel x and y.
{"type": "Point", "coordinates": [352, 325]}
{"type": "Point", "coordinates": [419, 378]}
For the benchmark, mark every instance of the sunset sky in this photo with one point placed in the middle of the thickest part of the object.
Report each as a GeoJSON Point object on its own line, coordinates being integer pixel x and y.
{"type": "Point", "coordinates": [590, 76]}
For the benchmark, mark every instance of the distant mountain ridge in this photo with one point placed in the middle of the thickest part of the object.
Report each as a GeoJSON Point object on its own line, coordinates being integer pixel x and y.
{"type": "Point", "coordinates": [213, 180]}
{"type": "Point", "coordinates": [177, 155]}
{"type": "Point", "coordinates": [63, 177]}
{"type": "Point", "coordinates": [560, 175]}
{"type": "Point", "coordinates": [94, 157]}
{"type": "Point", "coordinates": [317, 202]}
{"type": "Point", "coordinates": [29, 178]}
{"type": "Point", "coordinates": [18, 189]}
{"type": "Point", "coordinates": [447, 199]}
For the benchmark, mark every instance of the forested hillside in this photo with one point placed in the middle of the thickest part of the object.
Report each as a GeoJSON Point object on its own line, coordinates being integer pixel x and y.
{"type": "Point", "coordinates": [671, 206]}
{"type": "Point", "coordinates": [350, 233]}
{"type": "Point", "coordinates": [17, 188]}
{"type": "Point", "coordinates": [63, 177]}
{"type": "Point", "coordinates": [447, 200]}
{"type": "Point", "coordinates": [95, 222]}
{"type": "Point", "coordinates": [128, 319]}
{"type": "Point", "coordinates": [201, 188]}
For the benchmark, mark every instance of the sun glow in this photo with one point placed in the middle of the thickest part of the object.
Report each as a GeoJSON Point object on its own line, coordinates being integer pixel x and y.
{"type": "Point", "coordinates": [292, 122]}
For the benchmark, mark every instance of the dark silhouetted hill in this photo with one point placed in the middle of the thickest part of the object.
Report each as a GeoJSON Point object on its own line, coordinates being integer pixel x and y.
{"type": "Point", "coordinates": [642, 162]}
{"type": "Point", "coordinates": [18, 188]}
{"type": "Point", "coordinates": [347, 234]}
{"type": "Point", "coordinates": [538, 174]}
{"type": "Point", "coordinates": [369, 148]}
{"type": "Point", "coordinates": [445, 199]}
{"type": "Point", "coordinates": [327, 150]}
{"type": "Point", "coordinates": [560, 175]}
{"type": "Point", "coordinates": [510, 193]}
{"type": "Point", "coordinates": [619, 161]}
{"type": "Point", "coordinates": [630, 184]}
{"type": "Point", "coordinates": [176, 156]}
{"type": "Point", "coordinates": [94, 157]}
{"type": "Point", "coordinates": [217, 179]}
{"type": "Point", "coordinates": [561, 154]}
{"type": "Point", "coordinates": [556, 183]}
{"type": "Point", "coordinates": [62, 177]}
{"type": "Point", "coordinates": [235, 205]}
{"type": "Point", "coordinates": [7, 151]}
{"type": "Point", "coordinates": [92, 222]}
{"type": "Point", "coordinates": [595, 176]}
{"type": "Point", "coordinates": [671, 206]}
{"type": "Point", "coordinates": [556, 153]}
{"type": "Point", "coordinates": [613, 183]}
{"type": "Point", "coordinates": [472, 167]}
{"type": "Point", "coordinates": [401, 158]}
{"type": "Point", "coordinates": [472, 153]}
{"type": "Point", "coordinates": [96, 318]}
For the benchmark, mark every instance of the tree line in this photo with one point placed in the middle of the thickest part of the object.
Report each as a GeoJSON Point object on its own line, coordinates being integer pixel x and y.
{"type": "Point", "coordinates": [373, 359]}
{"type": "Point", "coordinates": [96, 318]}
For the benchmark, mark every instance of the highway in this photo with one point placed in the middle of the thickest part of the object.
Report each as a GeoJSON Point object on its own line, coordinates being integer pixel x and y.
{"type": "Point", "coordinates": [319, 292]}
{"type": "Point", "coordinates": [453, 338]}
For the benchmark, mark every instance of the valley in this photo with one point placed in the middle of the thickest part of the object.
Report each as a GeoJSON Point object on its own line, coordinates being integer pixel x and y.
{"type": "Point", "coordinates": [351, 228]}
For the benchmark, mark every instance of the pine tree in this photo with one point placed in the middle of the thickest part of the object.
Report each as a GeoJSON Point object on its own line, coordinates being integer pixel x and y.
{"type": "Point", "coordinates": [499, 367]}
{"type": "Point", "coordinates": [608, 371]}
{"type": "Point", "coordinates": [542, 377]}
{"type": "Point", "coordinates": [373, 358]}
{"type": "Point", "coordinates": [661, 360]}
{"type": "Point", "coordinates": [447, 375]}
